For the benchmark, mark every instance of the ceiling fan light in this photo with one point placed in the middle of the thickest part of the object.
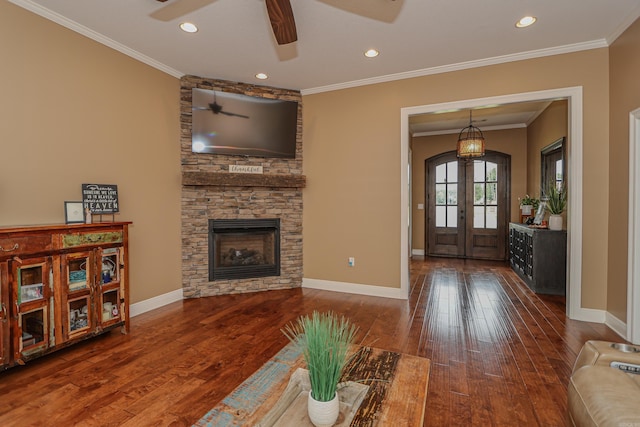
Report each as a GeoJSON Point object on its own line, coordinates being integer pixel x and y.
{"type": "Point", "coordinates": [188, 27]}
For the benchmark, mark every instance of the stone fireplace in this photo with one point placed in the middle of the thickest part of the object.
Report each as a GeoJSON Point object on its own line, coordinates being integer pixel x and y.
{"type": "Point", "coordinates": [212, 195]}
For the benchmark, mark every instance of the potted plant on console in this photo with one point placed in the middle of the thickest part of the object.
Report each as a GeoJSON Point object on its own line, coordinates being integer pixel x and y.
{"type": "Point", "coordinates": [324, 340]}
{"type": "Point", "coordinates": [556, 204]}
{"type": "Point", "coordinates": [528, 205]}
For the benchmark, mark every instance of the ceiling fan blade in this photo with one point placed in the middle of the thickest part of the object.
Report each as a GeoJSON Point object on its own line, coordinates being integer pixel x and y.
{"type": "Point", "coordinates": [178, 8]}
{"type": "Point", "coordinates": [282, 21]}
{"type": "Point", "coordinates": [234, 114]}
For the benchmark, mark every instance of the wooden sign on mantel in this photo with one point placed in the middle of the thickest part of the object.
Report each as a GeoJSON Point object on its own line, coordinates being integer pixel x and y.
{"type": "Point", "coordinates": [245, 169]}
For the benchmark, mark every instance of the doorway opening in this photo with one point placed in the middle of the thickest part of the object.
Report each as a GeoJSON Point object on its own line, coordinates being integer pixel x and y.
{"type": "Point", "coordinates": [574, 166]}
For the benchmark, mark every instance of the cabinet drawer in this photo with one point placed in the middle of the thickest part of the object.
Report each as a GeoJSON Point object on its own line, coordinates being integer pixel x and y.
{"type": "Point", "coordinates": [91, 238]}
{"type": "Point", "coordinates": [21, 245]}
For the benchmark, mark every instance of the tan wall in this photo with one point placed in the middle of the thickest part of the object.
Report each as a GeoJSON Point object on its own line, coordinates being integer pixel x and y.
{"type": "Point", "coordinates": [548, 127]}
{"type": "Point", "coordinates": [74, 111]}
{"type": "Point", "coordinates": [352, 163]}
{"type": "Point", "coordinates": [511, 141]}
{"type": "Point", "coordinates": [624, 63]}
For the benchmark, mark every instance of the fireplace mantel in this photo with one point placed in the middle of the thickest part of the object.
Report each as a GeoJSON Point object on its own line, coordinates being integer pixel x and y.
{"type": "Point", "coordinates": [225, 179]}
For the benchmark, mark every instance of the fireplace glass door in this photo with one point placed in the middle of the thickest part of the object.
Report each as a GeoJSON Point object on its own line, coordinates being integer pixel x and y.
{"type": "Point", "coordinates": [244, 248]}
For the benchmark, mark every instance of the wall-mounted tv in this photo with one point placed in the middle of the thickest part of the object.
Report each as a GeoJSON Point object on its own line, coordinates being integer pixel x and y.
{"type": "Point", "coordinates": [241, 125]}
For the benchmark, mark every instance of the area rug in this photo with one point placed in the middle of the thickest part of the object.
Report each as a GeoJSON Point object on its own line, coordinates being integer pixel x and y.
{"type": "Point", "coordinates": [373, 367]}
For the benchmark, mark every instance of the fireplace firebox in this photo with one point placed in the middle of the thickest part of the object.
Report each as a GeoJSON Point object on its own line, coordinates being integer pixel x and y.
{"type": "Point", "coordinates": [244, 248]}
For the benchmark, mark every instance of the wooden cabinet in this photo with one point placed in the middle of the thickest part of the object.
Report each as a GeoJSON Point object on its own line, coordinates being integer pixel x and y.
{"type": "Point", "coordinates": [60, 284]}
{"type": "Point", "coordinates": [539, 257]}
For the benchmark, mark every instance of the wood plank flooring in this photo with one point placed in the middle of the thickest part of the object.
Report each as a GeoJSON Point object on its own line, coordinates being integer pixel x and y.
{"type": "Point", "coordinates": [500, 354]}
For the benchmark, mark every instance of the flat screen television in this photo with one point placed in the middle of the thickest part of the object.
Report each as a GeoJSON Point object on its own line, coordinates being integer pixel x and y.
{"type": "Point", "coordinates": [241, 125]}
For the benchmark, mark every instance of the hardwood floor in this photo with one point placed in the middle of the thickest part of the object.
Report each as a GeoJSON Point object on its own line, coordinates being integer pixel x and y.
{"type": "Point", "coordinates": [500, 354]}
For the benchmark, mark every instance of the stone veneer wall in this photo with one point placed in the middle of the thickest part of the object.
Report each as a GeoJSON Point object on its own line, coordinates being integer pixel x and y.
{"type": "Point", "coordinates": [203, 202]}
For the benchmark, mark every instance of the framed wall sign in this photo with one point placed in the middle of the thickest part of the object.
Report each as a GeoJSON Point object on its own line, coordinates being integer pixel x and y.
{"type": "Point", "coordinates": [100, 198]}
{"type": "Point", "coordinates": [73, 212]}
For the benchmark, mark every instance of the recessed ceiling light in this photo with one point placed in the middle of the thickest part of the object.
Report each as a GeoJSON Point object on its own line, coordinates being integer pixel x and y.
{"type": "Point", "coordinates": [371, 53]}
{"type": "Point", "coordinates": [262, 76]}
{"type": "Point", "coordinates": [526, 21]}
{"type": "Point", "coordinates": [188, 27]}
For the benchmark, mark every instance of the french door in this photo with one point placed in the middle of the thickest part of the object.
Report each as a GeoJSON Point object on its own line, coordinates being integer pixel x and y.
{"type": "Point", "coordinates": [468, 206]}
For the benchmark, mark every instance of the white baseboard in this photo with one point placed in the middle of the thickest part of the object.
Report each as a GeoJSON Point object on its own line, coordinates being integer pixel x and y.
{"type": "Point", "coordinates": [354, 288]}
{"type": "Point", "coordinates": [417, 252]}
{"type": "Point", "coordinates": [155, 302]}
{"type": "Point", "coordinates": [589, 315]}
{"type": "Point", "coordinates": [618, 326]}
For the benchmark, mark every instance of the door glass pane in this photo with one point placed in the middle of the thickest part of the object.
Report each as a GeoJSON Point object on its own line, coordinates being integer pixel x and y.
{"type": "Point", "coordinates": [441, 216]}
{"type": "Point", "coordinates": [452, 194]}
{"type": "Point", "coordinates": [492, 193]}
{"type": "Point", "coordinates": [478, 194]}
{"type": "Point", "coordinates": [452, 216]}
{"type": "Point", "coordinates": [478, 171]}
{"type": "Point", "coordinates": [492, 217]}
{"type": "Point", "coordinates": [478, 217]}
{"type": "Point", "coordinates": [441, 173]}
{"type": "Point", "coordinates": [452, 172]}
{"type": "Point", "coordinates": [492, 171]}
{"type": "Point", "coordinates": [441, 190]}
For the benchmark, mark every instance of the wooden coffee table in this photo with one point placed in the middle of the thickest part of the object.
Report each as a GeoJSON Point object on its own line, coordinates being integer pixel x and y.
{"type": "Point", "coordinates": [397, 390]}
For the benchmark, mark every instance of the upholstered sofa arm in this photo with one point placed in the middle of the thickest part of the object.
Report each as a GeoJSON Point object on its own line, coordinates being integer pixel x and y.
{"type": "Point", "coordinates": [603, 396]}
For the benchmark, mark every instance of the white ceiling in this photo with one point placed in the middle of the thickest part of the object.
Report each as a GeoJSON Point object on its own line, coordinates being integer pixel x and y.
{"type": "Point", "coordinates": [415, 37]}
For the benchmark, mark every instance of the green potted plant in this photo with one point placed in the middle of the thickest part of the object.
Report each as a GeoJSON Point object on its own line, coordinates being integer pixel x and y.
{"type": "Point", "coordinates": [556, 204]}
{"type": "Point", "coordinates": [528, 204]}
{"type": "Point", "coordinates": [324, 340]}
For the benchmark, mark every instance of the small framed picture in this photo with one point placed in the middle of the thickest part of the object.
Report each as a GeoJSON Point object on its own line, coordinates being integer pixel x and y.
{"type": "Point", "coordinates": [73, 213]}
{"type": "Point", "coordinates": [542, 207]}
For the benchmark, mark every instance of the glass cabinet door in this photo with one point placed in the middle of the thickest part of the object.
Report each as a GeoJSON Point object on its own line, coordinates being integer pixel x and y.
{"type": "Point", "coordinates": [110, 286]}
{"type": "Point", "coordinates": [75, 315]}
{"type": "Point", "coordinates": [33, 303]}
{"type": "Point", "coordinates": [111, 309]}
{"type": "Point", "coordinates": [110, 266]}
{"type": "Point", "coordinates": [78, 271]}
{"type": "Point", "coordinates": [80, 315]}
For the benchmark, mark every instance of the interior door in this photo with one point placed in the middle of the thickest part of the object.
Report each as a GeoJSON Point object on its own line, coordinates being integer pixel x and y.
{"type": "Point", "coordinates": [468, 206]}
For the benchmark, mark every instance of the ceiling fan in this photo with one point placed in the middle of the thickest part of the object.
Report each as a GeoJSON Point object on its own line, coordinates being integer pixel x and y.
{"type": "Point", "coordinates": [280, 15]}
{"type": "Point", "coordinates": [217, 108]}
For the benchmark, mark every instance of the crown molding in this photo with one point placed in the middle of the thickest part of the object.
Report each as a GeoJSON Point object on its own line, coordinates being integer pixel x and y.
{"type": "Point", "coordinates": [484, 129]}
{"type": "Point", "coordinates": [532, 54]}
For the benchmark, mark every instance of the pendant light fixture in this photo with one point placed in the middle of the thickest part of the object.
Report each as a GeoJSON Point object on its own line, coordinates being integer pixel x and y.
{"type": "Point", "coordinates": [470, 141]}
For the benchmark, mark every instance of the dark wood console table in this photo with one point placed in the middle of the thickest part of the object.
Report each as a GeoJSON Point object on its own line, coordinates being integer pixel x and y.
{"type": "Point", "coordinates": [539, 257]}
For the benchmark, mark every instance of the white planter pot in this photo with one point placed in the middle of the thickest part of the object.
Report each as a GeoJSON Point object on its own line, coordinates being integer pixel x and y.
{"type": "Point", "coordinates": [526, 209]}
{"type": "Point", "coordinates": [323, 414]}
{"type": "Point", "coordinates": [555, 222]}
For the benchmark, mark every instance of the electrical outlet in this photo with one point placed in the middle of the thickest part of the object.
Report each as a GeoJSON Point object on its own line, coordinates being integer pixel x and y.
{"type": "Point", "coordinates": [352, 261]}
